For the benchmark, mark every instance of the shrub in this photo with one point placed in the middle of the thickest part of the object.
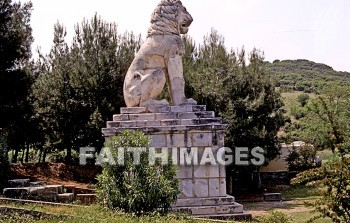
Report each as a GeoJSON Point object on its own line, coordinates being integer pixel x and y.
{"type": "Point", "coordinates": [139, 189]}
{"type": "Point", "coordinates": [302, 158]}
{"type": "Point", "coordinates": [333, 180]}
{"type": "Point", "coordinates": [303, 99]}
{"type": "Point", "coordinates": [274, 217]}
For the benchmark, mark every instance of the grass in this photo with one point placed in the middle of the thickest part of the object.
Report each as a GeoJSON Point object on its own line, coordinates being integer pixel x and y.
{"type": "Point", "coordinates": [295, 208]}
{"type": "Point", "coordinates": [92, 214]}
{"type": "Point", "coordinates": [290, 98]}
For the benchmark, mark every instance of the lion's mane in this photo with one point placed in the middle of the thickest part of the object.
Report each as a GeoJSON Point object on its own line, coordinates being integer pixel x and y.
{"type": "Point", "coordinates": [164, 18]}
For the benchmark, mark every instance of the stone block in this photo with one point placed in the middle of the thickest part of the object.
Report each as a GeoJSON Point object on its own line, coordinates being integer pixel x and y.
{"type": "Point", "coordinates": [17, 192]}
{"type": "Point", "coordinates": [170, 122]}
{"type": "Point", "coordinates": [66, 198]}
{"type": "Point", "coordinates": [158, 109]}
{"type": "Point", "coordinates": [152, 123]}
{"type": "Point", "coordinates": [168, 115]}
{"type": "Point", "coordinates": [176, 140]}
{"type": "Point", "coordinates": [133, 110]}
{"type": "Point", "coordinates": [122, 117]}
{"type": "Point", "coordinates": [272, 197]}
{"type": "Point", "coordinates": [194, 115]}
{"type": "Point", "coordinates": [214, 171]}
{"type": "Point", "coordinates": [200, 139]}
{"type": "Point", "coordinates": [229, 209]}
{"type": "Point", "coordinates": [143, 117]}
{"type": "Point", "coordinates": [38, 183]}
{"type": "Point", "coordinates": [57, 189]}
{"type": "Point", "coordinates": [201, 188]}
{"type": "Point", "coordinates": [185, 172]}
{"type": "Point", "coordinates": [158, 140]}
{"type": "Point", "coordinates": [186, 188]}
{"type": "Point", "coordinates": [205, 210]}
{"type": "Point", "coordinates": [223, 187]}
{"type": "Point", "coordinates": [214, 187]}
{"type": "Point", "coordinates": [218, 138]}
{"type": "Point", "coordinates": [37, 191]}
{"type": "Point", "coordinates": [222, 170]}
{"type": "Point", "coordinates": [201, 171]}
{"type": "Point", "coordinates": [19, 183]}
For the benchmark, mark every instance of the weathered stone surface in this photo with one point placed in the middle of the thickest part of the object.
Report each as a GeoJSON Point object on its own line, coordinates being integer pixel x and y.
{"type": "Point", "coordinates": [133, 110]}
{"type": "Point", "coordinates": [272, 196]}
{"type": "Point", "coordinates": [233, 208]}
{"type": "Point", "coordinates": [66, 198]}
{"type": "Point", "coordinates": [19, 183]}
{"type": "Point", "coordinates": [160, 59]}
{"type": "Point", "coordinates": [17, 192]}
{"type": "Point", "coordinates": [186, 188]}
{"type": "Point", "coordinates": [57, 189]}
{"type": "Point", "coordinates": [201, 187]}
{"type": "Point", "coordinates": [208, 201]}
{"type": "Point", "coordinates": [38, 183]}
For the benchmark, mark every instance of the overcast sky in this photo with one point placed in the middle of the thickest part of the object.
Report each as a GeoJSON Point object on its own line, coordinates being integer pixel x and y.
{"type": "Point", "coordinates": [317, 30]}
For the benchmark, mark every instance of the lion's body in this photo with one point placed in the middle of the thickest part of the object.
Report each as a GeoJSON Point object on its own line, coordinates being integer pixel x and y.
{"type": "Point", "coordinates": [157, 57]}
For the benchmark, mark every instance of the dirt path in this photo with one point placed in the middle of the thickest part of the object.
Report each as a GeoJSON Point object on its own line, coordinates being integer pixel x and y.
{"type": "Point", "coordinates": [287, 207]}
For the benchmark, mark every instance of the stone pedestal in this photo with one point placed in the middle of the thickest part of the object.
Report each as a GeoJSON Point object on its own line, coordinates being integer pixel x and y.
{"type": "Point", "coordinates": [186, 129]}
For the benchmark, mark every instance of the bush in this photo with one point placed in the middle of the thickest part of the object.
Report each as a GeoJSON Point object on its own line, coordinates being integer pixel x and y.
{"type": "Point", "coordinates": [274, 217]}
{"type": "Point", "coordinates": [303, 99]}
{"type": "Point", "coordinates": [139, 189]}
{"type": "Point", "coordinates": [4, 163]}
{"type": "Point", "coordinates": [302, 158]}
{"type": "Point", "coordinates": [333, 180]}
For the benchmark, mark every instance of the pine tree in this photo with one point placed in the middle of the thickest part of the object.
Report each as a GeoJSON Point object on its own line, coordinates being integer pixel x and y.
{"type": "Point", "coordinates": [15, 41]}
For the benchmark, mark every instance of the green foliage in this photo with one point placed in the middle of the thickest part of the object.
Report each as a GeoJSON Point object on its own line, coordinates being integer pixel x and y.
{"type": "Point", "coordinates": [333, 180]}
{"type": "Point", "coordinates": [15, 52]}
{"type": "Point", "coordinates": [4, 163]}
{"type": "Point", "coordinates": [302, 99]}
{"type": "Point", "coordinates": [304, 75]}
{"type": "Point", "coordinates": [243, 94]}
{"type": "Point", "coordinates": [79, 87]}
{"type": "Point", "coordinates": [139, 189]}
{"type": "Point", "coordinates": [326, 118]}
{"type": "Point", "coordinates": [327, 125]}
{"type": "Point", "coordinates": [274, 217]}
{"type": "Point", "coordinates": [301, 158]}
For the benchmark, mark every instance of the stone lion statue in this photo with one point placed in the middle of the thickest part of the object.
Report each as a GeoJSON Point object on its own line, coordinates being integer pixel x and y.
{"type": "Point", "coordinates": [160, 59]}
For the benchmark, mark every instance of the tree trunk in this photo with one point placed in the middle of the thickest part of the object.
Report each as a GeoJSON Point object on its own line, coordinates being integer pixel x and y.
{"type": "Point", "coordinates": [27, 153]}
{"type": "Point", "coordinates": [69, 155]}
{"type": "Point", "coordinates": [15, 156]}
{"type": "Point", "coordinates": [40, 153]}
{"type": "Point", "coordinates": [44, 155]}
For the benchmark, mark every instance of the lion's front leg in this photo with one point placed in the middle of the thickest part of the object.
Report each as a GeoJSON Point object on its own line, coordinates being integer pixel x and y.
{"type": "Point", "coordinates": [176, 82]}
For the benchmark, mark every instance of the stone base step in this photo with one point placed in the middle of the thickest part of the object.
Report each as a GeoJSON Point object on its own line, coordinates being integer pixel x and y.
{"type": "Point", "coordinates": [244, 216]}
{"type": "Point", "coordinates": [19, 183]}
{"type": "Point", "coordinates": [66, 198]}
{"type": "Point", "coordinates": [155, 109]}
{"type": "Point", "coordinates": [208, 201]}
{"type": "Point", "coordinates": [234, 208]}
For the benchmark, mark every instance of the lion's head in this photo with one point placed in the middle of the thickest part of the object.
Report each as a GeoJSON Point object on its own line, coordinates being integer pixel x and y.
{"type": "Point", "coordinates": [170, 18]}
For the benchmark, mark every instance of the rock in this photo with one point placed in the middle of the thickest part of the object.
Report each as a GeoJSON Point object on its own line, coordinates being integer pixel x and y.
{"type": "Point", "coordinates": [18, 192]}
{"type": "Point", "coordinates": [272, 197]}
{"type": "Point", "coordinates": [19, 183]}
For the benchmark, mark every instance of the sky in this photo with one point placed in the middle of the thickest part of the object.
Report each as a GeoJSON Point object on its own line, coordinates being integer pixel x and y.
{"type": "Point", "coordinates": [317, 30]}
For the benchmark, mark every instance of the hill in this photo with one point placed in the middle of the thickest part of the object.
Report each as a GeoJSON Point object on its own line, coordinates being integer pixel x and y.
{"type": "Point", "coordinates": [304, 75]}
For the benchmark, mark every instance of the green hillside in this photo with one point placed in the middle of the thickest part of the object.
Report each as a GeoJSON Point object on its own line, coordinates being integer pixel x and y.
{"type": "Point", "coordinates": [305, 75]}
